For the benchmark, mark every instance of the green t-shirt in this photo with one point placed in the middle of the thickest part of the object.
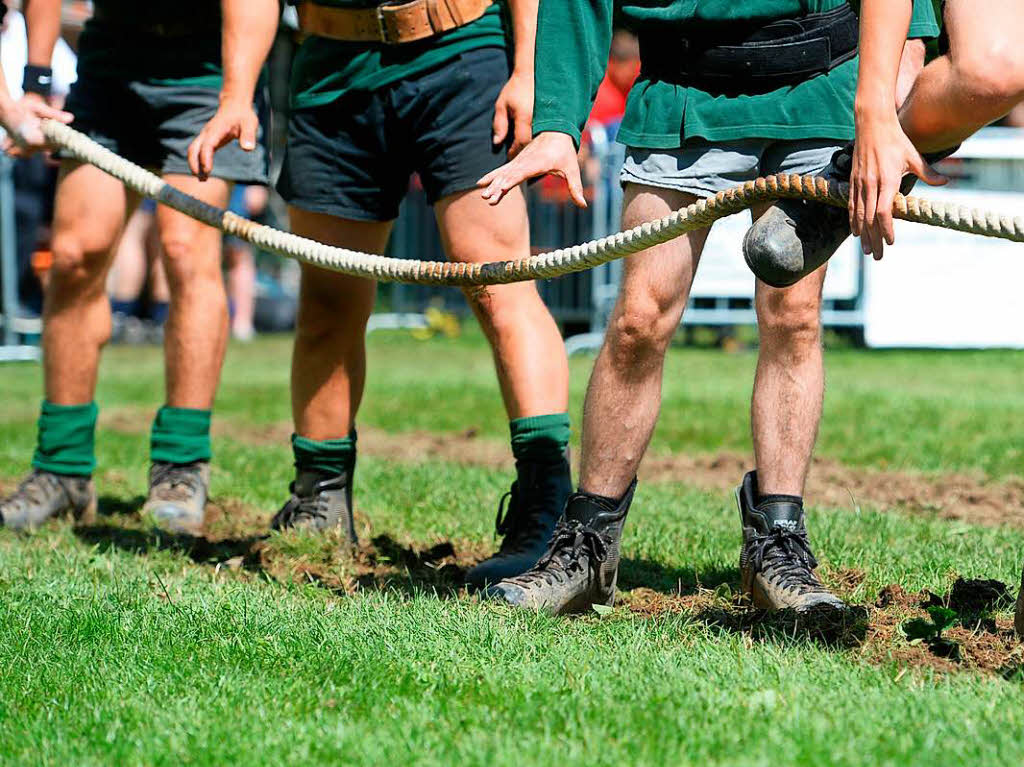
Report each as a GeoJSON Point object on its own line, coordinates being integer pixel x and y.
{"type": "Point", "coordinates": [325, 69]}
{"type": "Point", "coordinates": [573, 40]}
{"type": "Point", "coordinates": [163, 42]}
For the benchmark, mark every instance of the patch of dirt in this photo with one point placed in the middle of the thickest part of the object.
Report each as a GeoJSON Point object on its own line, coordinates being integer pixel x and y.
{"type": "Point", "coordinates": [965, 497]}
{"type": "Point", "coordinates": [984, 634]}
{"type": "Point", "coordinates": [987, 642]}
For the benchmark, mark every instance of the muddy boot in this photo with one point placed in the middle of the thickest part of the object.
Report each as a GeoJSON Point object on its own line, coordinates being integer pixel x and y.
{"type": "Point", "coordinates": [795, 237]}
{"type": "Point", "coordinates": [535, 503]}
{"type": "Point", "coordinates": [43, 495]}
{"type": "Point", "coordinates": [177, 496]}
{"type": "Point", "coordinates": [319, 502]}
{"type": "Point", "coordinates": [776, 563]}
{"type": "Point", "coordinates": [581, 564]}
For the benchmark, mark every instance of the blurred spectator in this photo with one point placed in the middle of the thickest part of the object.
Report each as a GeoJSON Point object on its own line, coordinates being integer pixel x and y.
{"type": "Point", "coordinates": [239, 261]}
{"type": "Point", "coordinates": [137, 283]}
{"type": "Point", "coordinates": [623, 69]}
{"type": "Point", "coordinates": [34, 177]}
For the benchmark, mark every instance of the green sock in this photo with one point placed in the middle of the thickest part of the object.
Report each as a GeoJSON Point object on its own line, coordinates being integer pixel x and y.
{"type": "Point", "coordinates": [330, 456]}
{"type": "Point", "coordinates": [66, 441]}
{"type": "Point", "coordinates": [541, 438]}
{"type": "Point", "coordinates": [180, 435]}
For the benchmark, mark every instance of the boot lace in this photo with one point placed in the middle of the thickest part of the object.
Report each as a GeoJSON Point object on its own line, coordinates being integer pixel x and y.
{"type": "Point", "coordinates": [308, 508]}
{"type": "Point", "coordinates": [175, 481]}
{"type": "Point", "coordinates": [522, 521]}
{"type": "Point", "coordinates": [570, 543]}
{"type": "Point", "coordinates": [785, 556]}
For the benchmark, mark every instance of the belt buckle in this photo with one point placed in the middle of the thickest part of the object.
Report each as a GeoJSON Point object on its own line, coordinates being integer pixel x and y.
{"type": "Point", "coordinates": [382, 25]}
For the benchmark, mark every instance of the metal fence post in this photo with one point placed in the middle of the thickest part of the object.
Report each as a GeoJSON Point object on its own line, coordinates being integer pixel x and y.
{"type": "Point", "coordinates": [10, 351]}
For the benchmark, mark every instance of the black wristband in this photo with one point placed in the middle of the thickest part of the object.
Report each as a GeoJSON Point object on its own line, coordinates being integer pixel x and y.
{"type": "Point", "coordinates": [37, 80]}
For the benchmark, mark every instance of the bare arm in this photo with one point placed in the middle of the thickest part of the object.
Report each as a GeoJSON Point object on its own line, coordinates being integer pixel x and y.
{"type": "Point", "coordinates": [249, 27]}
{"type": "Point", "coordinates": [42, 22]}
{"type": "Point", "coordinates": [515, 102]}
{"type": "Point", "coordinates": [21, 118]}
{"type": "Point", "coordinates": [883, 153]}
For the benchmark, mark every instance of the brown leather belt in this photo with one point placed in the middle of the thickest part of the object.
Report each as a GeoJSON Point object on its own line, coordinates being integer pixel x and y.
{"type": "Point", "coordinates": [390, 23]}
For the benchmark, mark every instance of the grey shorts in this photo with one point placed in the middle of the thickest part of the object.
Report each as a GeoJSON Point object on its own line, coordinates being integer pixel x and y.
{"type": "Point", "coordinates": [152, 125]}
{"type": "Point", "coordinates": [705, 168]}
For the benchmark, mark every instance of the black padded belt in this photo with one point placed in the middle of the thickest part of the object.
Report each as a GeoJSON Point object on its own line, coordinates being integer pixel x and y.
{"type": "Point", "coordinates": [734, 59]}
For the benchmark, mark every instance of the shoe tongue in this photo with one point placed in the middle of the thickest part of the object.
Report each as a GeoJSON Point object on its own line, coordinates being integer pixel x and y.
{"type": "Point", "coordinates": [585, 508]}
{"type": "Point", "coordinates": [306, 482]}
{"type": "Point", "coordinates": [784, 515]}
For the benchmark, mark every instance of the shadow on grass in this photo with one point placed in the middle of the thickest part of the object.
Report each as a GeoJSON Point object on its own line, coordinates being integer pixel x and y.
{"type": "Point", "coordinates": [833, 628]}
{"type": "Point", "coordinates": [676, 581]}
{"type": "Point", "coordinates": [109, 537]}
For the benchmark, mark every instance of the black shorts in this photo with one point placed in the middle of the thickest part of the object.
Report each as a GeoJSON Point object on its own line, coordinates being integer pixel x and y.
{"type": "Point", "coordinates": [353, 157]}
{"type": "Point", "coordinates": [152, 125]}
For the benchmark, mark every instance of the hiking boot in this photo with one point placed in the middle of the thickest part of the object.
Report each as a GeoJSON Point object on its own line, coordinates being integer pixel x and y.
{"type": "Point", "coordinates": [535, 503]}
{"type": "Point", "coordinates": [581, 564]}
{"type": "Point", "coordinates": [776, 563]}
{"type": "Point", "coordinates": [176, 502]}
{"type": "Point", "coordinates": [319, 502]}
{"type": "Point", "coordinates": [42, 495]}
{"type": "Point", "coordinates": [795, 237]}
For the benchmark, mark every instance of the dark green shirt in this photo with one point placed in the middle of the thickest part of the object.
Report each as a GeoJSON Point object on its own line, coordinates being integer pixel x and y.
{"type": "Point", "coordinates": [324, 70]}
{"type": "Point", "coordinates": [169, 42]}
{"type": "Point", "coordinates": [573, 40]}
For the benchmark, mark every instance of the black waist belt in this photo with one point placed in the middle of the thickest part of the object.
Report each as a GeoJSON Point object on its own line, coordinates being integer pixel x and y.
{"type": "Point", "coordinates": [733, 59]}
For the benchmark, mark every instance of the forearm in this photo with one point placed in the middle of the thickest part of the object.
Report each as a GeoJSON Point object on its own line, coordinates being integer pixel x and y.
{"type": "Point", "coordinates": [883, 33]}
{"type": "Point", "coordinates": [249, 27]}
{"type": "Point", "coordinates": [524, 35]}
{"type": "Point", "coordinates": [42, 22]}
{"type": "Point", "coordinates": [573, 40]}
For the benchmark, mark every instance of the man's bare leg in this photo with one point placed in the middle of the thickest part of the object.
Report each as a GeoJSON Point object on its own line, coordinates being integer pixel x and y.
{"type": "Point", "coordinates": [533, 373]}
{"type": "Point", "coordinates": [197, 326]}
{"type": "Point", "coordinates": [789, 384]}
{"type": "Point", "coordinates": [329, 357]}
{"type": "Point", "coordinates": [980, 80]}
{"type": "Point", "coordinates": [624, 395]}
{"type": "Point", "coordinates": [89, 214]}
{"type": "Point", "coordinates": [529, 354]}
{"type": "Point", "coordinates": [195, 337]}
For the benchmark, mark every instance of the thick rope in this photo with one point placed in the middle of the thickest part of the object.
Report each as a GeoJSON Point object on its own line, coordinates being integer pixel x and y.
{"type": "Point", "coordinates": [555, 263]}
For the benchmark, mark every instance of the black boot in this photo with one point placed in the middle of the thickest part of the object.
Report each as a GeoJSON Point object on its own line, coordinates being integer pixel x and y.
{"type": "Point", "coordinates": [535, 502]}
{"type": "Point", "coordinates": [776, 562]}
{"type": "Point", "coordinates": [581, 565]}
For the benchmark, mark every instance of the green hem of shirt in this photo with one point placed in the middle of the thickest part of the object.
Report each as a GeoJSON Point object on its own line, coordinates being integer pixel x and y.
{"type": "Point", "coordinates": [923, 30]}
{"type": "Point", "coordinates": [734, 133]}
{"type": "Point", "coordinates": [558, 126]}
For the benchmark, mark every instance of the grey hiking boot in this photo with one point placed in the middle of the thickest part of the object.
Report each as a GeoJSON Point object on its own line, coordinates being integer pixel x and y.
{"type": "Point", "coordinates": [795, 237]}
{"type": "Point", "coordinates": [43, 495]}
{"type": "Point", "coordinates": [776, 563]}
{"type": "Point", "coordinates": [176, 502]}
{"type": "Point", "coordinates": [535, 503]}
{"type": "Point", "coordinates": [319, 502]}
{"type": "Point", "coordinates": [581, 565]}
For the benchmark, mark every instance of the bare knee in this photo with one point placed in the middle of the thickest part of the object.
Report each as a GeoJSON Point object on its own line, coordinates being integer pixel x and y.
{"type": "Point", "coordinates": [994, 78]}
{"type": "Point", "coordinates": [190, 255]}
{"type": "Point", "coordinates": [641, 330]}
{"type": "Point", "coordinates": [75, 271]}
{"type": "Point", "coordinates": [788, 320]}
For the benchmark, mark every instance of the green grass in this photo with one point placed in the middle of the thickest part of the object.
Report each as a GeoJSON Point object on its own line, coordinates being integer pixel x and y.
{"type": "Point", "coordinates": [133, 653]}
